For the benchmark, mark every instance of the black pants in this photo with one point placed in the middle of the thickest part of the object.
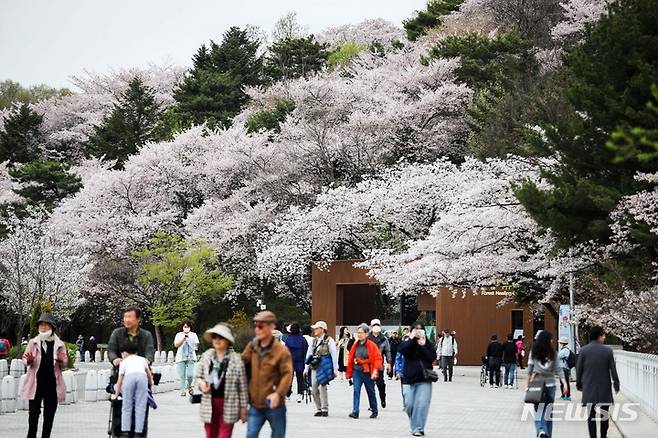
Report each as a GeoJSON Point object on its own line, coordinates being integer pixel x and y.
{"type": "Point", "coordinates": [567, 375]}
{"type": "Point", "coordinates": [301, 384]}
{"type": "Point", "coordinates": [591, 420]}
{"type": "Point", "coordinates": [381, 386]}
{"type": "Point", "coordinates": [447, 362]}
{"type": "Point", "coordinates": [494, 370]}
{"type": "Point", "coordinates": [520, 360]}
{"type": "Point", "coordinates": [49, 398]}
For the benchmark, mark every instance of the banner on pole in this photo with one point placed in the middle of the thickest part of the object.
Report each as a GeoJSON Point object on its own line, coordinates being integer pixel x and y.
{"type": "Point", "coordinates": [564, 324]}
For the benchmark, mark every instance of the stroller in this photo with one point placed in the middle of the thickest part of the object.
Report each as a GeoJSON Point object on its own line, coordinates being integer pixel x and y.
{"type": "Point", "coordinates": [114, 421]}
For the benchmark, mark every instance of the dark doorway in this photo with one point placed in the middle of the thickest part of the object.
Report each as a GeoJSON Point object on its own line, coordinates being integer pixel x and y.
{"type": "Point", "coordinates": [517, 320]}
{"type": "Point", "coordinates": [356, 303]}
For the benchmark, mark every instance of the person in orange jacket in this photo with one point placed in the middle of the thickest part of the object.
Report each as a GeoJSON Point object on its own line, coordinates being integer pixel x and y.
{"type": "Point", "coordinates": [363, 367]}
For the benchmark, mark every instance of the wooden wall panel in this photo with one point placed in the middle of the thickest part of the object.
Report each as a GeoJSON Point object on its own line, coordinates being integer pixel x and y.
{"type": "Point", "coordinates": [326, 291]}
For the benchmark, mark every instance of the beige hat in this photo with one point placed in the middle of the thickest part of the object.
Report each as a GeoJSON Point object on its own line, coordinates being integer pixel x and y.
{"type": "Point", "coordinates": [320, 324]}
{"type": "Point", "coordinates": [221, 330]}
{"type": "Point", "coordinates": [265, 316]}
{"type": "Point", "coordinates": [564, 340]}
{"type": "Point", "coordinates": [375, 322]}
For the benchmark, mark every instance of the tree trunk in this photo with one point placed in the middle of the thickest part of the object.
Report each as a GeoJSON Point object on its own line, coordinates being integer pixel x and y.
{"type": "Point", "coordinates": [158, 338]}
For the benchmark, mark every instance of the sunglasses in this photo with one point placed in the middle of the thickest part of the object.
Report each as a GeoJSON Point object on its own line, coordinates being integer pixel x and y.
{"type": "Point", "coordinates": [260, 324]}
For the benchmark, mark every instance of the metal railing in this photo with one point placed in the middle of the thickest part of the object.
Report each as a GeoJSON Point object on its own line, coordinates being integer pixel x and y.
{"type": "Point", "coordinates": [638, 376]}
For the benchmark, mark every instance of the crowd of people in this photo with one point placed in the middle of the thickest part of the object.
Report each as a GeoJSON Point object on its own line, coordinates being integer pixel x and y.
{"type": "Point", "coordinates": [254, 385]}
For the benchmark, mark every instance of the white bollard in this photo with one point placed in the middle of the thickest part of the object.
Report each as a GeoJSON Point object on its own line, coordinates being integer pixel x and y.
{"type": "Point", "coordinates": [74, 387]}
{"type": "Point", "coordinates": [170, 357]}
{"type": "Point", "coordinates": [87, 356]}
{"type": "Point", "coordinates": [91, 386]}
{"type": "Point", "coordinates": [97, 356]}
{"type": "Point", "coordinates": [77, 357]}
{"type": "Point", "coordinates": [16, 370]}
{"type": "Point", "coordinates": [156, 358]}
{"type": "Point", "coordinates": [172, 378]}
{"type": "Point", "coordinates": [8, 395]}
{"type": "Point", "coordinates": [103, 380]}
{"type": "Point", "coordinates": [68, 383]}
{"type": "Point", "coordinates": [4, 368]}
{"type": "Point", "coordinates": [164, 387]}
{"type": "Point", "coordinates": [21, 404]}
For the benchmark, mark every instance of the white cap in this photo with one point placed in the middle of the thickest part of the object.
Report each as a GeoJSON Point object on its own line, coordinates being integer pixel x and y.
{"type": "Point", "coordinates": [320, 324]}
{"type": "Point", "coordinates": [375, 322]}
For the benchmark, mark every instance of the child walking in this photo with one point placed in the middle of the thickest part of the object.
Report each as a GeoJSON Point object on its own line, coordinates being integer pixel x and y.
{"type": "Point", "coordinates": [134, 379]}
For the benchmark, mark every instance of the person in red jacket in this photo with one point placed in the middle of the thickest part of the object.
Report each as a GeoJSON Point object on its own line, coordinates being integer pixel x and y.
{"type": "Point", "coordinates": [363, 367]}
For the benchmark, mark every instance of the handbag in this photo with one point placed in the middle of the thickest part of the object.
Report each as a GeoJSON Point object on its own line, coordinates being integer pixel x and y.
{"type": "Point", "coordinates": [430, 375]}
{"type": "Point", "coordinates": [536, 390]}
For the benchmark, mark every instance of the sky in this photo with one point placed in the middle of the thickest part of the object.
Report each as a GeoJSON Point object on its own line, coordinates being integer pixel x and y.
{"type": "Point", "coordinates": [48, 41]}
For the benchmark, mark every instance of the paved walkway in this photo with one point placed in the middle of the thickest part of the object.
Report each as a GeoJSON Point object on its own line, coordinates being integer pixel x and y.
{"type": "Point", "coordinates": [459, 409]}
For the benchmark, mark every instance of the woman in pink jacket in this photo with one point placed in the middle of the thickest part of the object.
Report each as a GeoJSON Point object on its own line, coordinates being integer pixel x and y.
{"type": "Point", "coordinates": [45, 357]}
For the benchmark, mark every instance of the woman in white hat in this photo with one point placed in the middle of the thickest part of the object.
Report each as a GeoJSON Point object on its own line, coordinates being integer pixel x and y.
{"type": "Point", "coordinates": [222, 379]}
{"type": "Point", "coordinates": [563, 355]}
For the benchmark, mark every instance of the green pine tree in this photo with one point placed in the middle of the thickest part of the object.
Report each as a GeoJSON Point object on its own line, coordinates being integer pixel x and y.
{"type": "Point", "coordinates": [609, 79]}
{"type": "Point", "coordinates": [45, 182]}
{"type": "Point", "coordinates": [429, 18]}
{"type": "Point", "coordinates": [212, 92]}
{"type": "Point", "coordinates": [294, 57]}
{"type": "Point", "coordinates": [135, 120]}
{"type": "Point", "coordinates": [34, 317]}
{"type": "Point", "coordinates": [21, 137]}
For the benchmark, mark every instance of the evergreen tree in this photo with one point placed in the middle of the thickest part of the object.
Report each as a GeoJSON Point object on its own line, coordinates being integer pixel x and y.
{"type": "Point", "coordinates": [212, 92]}
{"type": "Point", "coordinates": [295, 57]}
{"type": "Point", "coordinates": [609, 79]}
{"type": "Point", "coordinates": [45, 182]}
{"type": "Point", "coordinates": [134, 121]}
{"type": "Point", "coordinates": [429, 18]}
{"type": "Point", "coordinates": [21, 138]}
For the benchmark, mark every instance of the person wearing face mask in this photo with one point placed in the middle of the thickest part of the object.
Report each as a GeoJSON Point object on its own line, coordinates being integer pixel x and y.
{"type": "Point", "coordinates": [187, 343]}
{"type": "Point", "coordinates": [380, 340]}
{"type": "Point", "coordinates": [45, 357]}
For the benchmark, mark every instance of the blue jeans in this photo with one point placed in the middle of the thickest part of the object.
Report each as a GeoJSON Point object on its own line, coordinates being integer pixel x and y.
{"type": "Point", "coordinates": [510, 369]}
{"type": "Point", "coordinates": [134, 392]}
{"type": "Point", "coordinates": [185, 373]}
{"type": "Point", "coordinates": [544, 412]}
{"type": "Point", "coordinates": [276, 418]}
{"type": "Point", "coordinates": [417, 399]}
{"type": "Point", "coordinates": [359, 378]}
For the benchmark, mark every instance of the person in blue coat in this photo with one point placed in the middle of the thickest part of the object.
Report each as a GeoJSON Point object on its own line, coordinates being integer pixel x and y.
{"type": "Point", "coordinates": [298, 347]}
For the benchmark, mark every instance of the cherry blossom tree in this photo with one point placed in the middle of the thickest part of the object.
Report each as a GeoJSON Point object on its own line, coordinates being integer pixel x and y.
{"type": "Point", "coordinates": [36, 265]}
{"type": "Point", "coordinates": [365, 33]}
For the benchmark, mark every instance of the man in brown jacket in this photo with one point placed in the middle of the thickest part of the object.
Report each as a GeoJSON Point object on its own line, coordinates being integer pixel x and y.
{"type": "Point", "coordinates": [269, 365]}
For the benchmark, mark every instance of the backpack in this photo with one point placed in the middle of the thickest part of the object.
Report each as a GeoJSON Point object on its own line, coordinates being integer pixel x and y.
{"type": "Point", "coordinates": [3, 346]}
{"type": "Point", "coordinates": [571, 359]}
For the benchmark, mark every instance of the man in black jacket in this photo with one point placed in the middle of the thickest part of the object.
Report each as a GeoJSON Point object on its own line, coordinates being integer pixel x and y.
{"type": "Point", "coordinates": [393, 341]}
{"type": "Point", "coordinates": [494, 358]}
{"type": "Point", "coordinates": [595, 370]}
{"type": "Point", "coordinates": [509, 360]}
{"type": "Point", "coordinates": [130, 332]}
